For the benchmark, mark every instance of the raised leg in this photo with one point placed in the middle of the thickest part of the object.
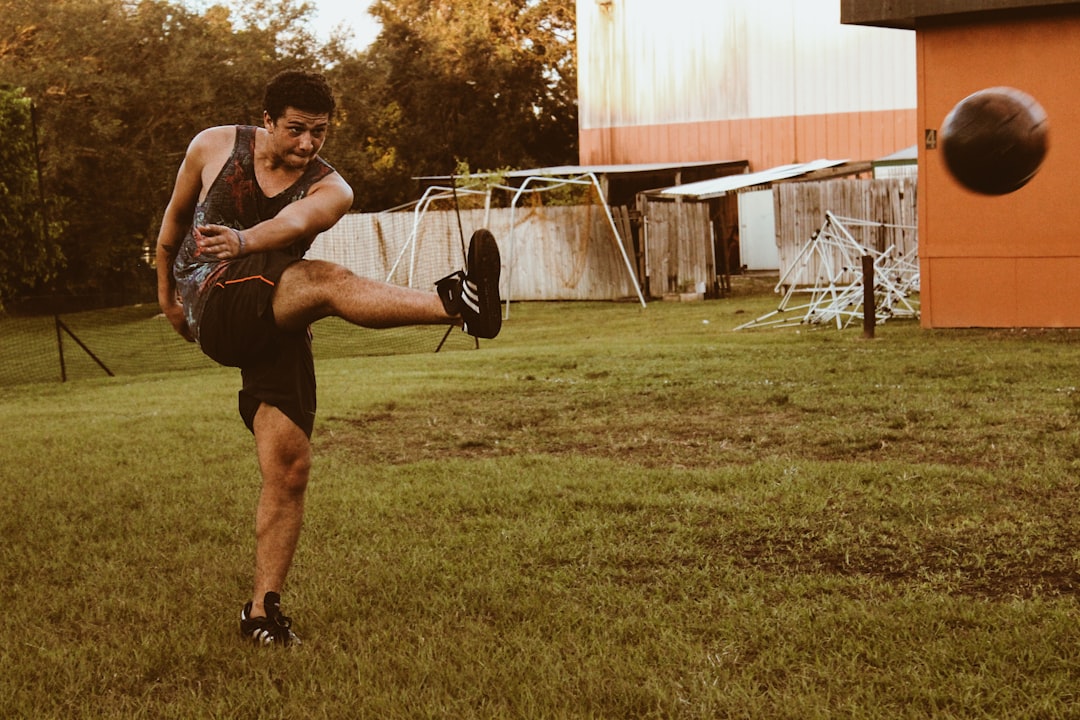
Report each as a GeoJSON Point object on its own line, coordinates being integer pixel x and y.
{"type": "Point", "coordinates": [313, 289]}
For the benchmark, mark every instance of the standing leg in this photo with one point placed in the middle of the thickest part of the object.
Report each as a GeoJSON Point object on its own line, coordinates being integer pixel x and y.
{"type": "Point", "coordinates": [284, 453]}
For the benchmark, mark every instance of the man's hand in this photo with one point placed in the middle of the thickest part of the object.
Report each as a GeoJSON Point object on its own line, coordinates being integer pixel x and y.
{"type": "Point", "coordinates": [219, 242]}
{"type": "Point", "coordinates": [175, 314]}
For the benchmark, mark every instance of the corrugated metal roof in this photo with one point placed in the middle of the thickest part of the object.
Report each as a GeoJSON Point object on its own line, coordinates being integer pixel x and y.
{"type": "Point", "coordinates": [907, 155]}
{"type": "Point", "coordinates": [630, 168]}
{"type": "Point", "coordinates": [706, 189]}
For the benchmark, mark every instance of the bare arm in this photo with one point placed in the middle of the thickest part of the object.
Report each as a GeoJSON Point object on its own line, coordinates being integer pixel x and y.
{"type": "Point", "coordinates": [174, 224]}
{"type": "Point", "coordinates": [318, 211]}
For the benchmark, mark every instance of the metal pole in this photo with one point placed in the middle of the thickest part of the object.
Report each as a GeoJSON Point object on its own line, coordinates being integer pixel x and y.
{"type": "Point", "coordinates": [869, 308]}
{"type": "Point", "coordinates": [618, 238]}
{"type": "Point", "coordinates": [60, 349]}
{"type": "Point", "coordinates": [60, 325]}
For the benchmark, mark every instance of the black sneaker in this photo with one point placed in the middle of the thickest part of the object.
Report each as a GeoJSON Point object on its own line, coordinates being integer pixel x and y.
{"type": "Point", "coordinates": [474, 293]}
{"type": "Point", "coordinates": [449, 289]}
{"type": "Point", "coordinates": [274, 629]}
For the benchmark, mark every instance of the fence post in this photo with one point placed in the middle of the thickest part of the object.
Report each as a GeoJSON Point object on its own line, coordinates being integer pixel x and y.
{"type": "Point", "coordinates": [869, 305]}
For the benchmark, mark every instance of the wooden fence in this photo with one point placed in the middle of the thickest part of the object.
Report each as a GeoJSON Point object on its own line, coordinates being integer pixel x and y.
{"type": "Point", "coordinates": [679, 248]}
{"type": "Point", "coordinates": [571, 253]}
{"type": "Point", "coordinates": [890, 203]}
{"type": "Point", "coordinates": [549, 253]}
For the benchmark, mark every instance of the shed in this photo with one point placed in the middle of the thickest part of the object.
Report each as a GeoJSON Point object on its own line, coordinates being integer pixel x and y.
{"type": "Point", "coordinates": [902, 163]}
{"type": "Point", "coordinates": [993, 261]}
{"type": "Point", "coordinates": [742, 232]}
{"type": "Point", "coordinates": [622, 182]}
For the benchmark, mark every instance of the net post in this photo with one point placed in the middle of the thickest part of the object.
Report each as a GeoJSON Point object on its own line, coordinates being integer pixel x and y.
{"type": "Point", "coordinates": [60, 348]}
{"type": "Point", "coordinates": [60, 325]}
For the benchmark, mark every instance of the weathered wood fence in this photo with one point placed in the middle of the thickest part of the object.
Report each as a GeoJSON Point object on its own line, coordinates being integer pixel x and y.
{"type": "Point", "coordinates": [549, 253]}
{"type": "Point", "coordinates": [679, 248]}
{"type": "Point", "coordinates": [571, 253]}
{"type": "Point", "coordinates": [890, 203]}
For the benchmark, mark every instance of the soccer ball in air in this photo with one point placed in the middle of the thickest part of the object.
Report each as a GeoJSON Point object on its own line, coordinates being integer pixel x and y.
{"type": "Point", "coordinates": [994, 140]}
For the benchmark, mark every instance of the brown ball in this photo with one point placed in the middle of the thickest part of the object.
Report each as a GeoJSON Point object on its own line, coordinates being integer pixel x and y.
{"type": "Point", "coordinates": [995, 140]}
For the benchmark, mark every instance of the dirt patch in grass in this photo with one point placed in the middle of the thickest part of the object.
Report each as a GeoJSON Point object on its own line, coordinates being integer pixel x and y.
{"type": "Point", "coordinates": [656, 434]}
{"type": "Point", "coordinates": [984, 542]}
{"type": "Point", "coordinates": [959, 565]}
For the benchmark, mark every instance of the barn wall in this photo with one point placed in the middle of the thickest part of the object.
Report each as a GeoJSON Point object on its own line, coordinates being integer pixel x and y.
{"type": "Point", "coordinates": [770, 81]}
{"type": "Point", "coordinates": [764, 142]}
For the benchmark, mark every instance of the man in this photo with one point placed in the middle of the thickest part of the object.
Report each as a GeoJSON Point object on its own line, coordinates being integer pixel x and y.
{"type": "Point", "coordinates": [247, 204]}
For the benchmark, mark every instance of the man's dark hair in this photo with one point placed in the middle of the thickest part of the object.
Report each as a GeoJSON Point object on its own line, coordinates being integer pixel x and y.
{"type": "Point", "coordinates": [307, 91]}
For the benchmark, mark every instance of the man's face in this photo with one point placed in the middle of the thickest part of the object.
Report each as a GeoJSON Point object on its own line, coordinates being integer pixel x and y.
{"type": "Point", "coordinates": [297, 136]}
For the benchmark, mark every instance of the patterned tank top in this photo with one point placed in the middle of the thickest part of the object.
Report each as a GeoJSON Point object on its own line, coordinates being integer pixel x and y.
{"type": "Point", "coordinates": [235, 200]}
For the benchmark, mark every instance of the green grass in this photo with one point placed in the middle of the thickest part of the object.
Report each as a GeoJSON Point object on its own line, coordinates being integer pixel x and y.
{"type": "Point", "coordinates": [608, 512]}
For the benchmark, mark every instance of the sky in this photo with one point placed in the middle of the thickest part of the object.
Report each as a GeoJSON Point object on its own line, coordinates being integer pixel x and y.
{"type": "Point", "coordinates": [351, 13]}
{"type": "Point", "coordinates": [327, 15]}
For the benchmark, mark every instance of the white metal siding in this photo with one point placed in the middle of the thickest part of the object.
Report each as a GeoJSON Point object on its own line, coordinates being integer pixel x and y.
{"type": "Point", "coordinates": [650, 62]}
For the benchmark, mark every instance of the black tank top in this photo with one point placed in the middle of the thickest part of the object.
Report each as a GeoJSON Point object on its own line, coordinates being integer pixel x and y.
{"type": "Point", "coordinates": [235, 200]}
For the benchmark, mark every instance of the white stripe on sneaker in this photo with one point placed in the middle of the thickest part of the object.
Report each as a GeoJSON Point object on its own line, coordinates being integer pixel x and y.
{"type": "Point", "coordinates": [470, 296]}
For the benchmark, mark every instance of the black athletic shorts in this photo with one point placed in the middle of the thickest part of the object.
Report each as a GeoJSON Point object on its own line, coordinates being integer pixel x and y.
{"type": "Point", "coordinates": [238, 330]}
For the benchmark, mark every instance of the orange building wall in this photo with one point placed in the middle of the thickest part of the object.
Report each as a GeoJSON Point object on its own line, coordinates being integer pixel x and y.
{"type": "Point", "coordinates": [764, 142]}
{"type": "Point", "coordinates": [1012, 260]}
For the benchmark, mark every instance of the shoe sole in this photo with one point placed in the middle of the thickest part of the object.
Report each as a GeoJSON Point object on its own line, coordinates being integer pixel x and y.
{"type": "Point", "coordinates": [485, 266]}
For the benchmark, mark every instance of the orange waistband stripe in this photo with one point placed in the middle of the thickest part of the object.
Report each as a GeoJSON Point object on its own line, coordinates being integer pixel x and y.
{"type": "Point", "coordinates": [245, 279]}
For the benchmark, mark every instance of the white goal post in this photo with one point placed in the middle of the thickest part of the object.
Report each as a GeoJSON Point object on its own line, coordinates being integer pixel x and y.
{"type": "Point", "coordinates": [530, 184]}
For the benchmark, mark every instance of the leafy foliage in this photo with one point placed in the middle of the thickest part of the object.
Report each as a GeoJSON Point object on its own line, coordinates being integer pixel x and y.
{"type": "Point", "coordinates": [122, 86]}
{"type": "Point", "coordinates": [491, 83]}
{"type": "Point", "coordinates": [473, 67]}
{"type": "Point", "coordinates": [27, 249]}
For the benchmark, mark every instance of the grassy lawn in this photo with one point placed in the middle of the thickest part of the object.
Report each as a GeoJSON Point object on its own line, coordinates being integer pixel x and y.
{"type": "Point", "coordinates": [608, 512]}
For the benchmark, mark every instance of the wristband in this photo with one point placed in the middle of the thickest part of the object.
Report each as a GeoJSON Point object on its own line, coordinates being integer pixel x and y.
{"type": "Point", "coordinates": [240, 238]}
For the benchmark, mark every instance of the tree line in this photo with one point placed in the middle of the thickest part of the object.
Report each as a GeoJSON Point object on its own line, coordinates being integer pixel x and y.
{"type": "Point", "coordinates": [99, 99]}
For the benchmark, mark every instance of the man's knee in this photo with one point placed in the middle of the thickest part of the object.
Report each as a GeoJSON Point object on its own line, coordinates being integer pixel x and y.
{"type": "Point", "coordinates": [288, 474]}
{"type": "Point", "coordinates": [294, 464]}
{"type": "Point", "coordinates": [314, 274]}
{"type": "Point", "coordinates": [284, 450]}
{"type": "Point", "coordinates": [308, 291]}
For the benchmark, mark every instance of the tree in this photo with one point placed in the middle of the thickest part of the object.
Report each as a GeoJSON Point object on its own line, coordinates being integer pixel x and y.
{"type": "Point", "coordinates": [489, 82]}
{"type": "Point", "coordinates": [28, 252]}
{"type": "Point", "coordinates": [122, 87]}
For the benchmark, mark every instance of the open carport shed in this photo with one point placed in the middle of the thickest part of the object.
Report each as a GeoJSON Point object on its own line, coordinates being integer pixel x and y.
{"type": "Point", "coordinates": [618, 188]}
{"type": "Point", "coordinates": [739, 232]}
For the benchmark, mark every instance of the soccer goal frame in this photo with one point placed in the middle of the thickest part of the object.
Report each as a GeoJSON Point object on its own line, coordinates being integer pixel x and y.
{"type": "Point", "coordinates": [554, 182]}
{"type": "Point", "coordinates": [549, 183]}
{"type": "Point", "coordinates": [430, 195]}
